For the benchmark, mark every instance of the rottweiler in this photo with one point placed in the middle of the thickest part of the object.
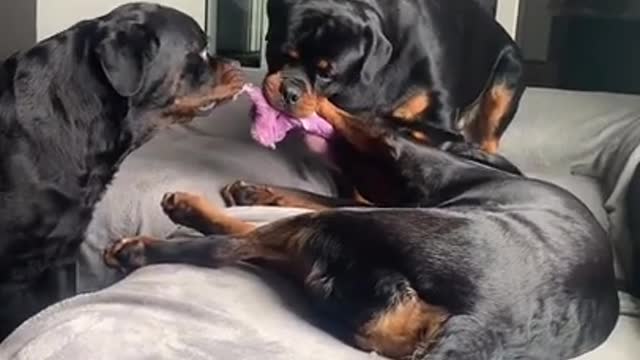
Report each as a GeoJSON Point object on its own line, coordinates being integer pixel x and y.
{"type": "Point", "coordinates": [471, 262]}
{"type": "Point", "coordinates": [71, 109]}
{"type": "Point", "coordinates": [451, 253]}
{"type": "Point", "coordinates": [424, 64]}
{"type": "Point", "coordinates": [440, 71]}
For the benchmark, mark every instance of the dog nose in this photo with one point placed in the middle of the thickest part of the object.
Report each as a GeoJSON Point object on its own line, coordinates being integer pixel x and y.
{"type": "Point", "coordinates": [291, 95]}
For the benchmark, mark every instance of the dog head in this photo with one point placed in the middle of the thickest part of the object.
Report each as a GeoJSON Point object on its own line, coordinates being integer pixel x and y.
{"type": "Point", "coordinates": [156, 58]}
{"type": "Point", "coordinates": [321, 49]}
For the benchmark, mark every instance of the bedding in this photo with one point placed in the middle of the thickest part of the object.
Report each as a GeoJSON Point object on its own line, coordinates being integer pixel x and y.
{"type": "Point", "coordinates": [183, 312]}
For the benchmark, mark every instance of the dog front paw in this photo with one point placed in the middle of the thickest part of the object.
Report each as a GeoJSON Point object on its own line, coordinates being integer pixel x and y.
{"type": "Point", "coordinates": [241, 193]}
{"type": "Point", "coordinates": [127, 254]}
{"type": "Point", "coordinates": [183, 208]}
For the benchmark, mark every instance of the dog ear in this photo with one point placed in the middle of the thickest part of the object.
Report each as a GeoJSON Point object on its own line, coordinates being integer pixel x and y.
{"type": "Point", "coordinates": [377, 54]}
{"type": "Point", "coordinates": [124, 55]}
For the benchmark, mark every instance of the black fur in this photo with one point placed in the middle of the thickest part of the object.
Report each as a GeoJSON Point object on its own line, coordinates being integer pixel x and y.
{"type": "Point", "coordinates": [71, 109]}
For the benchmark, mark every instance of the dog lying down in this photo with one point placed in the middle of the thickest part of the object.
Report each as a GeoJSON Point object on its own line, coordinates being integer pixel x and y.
{"type": "Point", "coordinates": [469, 262]}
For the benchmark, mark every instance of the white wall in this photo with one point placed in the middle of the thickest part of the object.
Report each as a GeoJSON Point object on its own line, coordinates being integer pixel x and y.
{"type": "Point", "coordinates": [507, 15]}
{"type": "Point", "coordinates": [17, 26]}
{"type": "Point", "coordinates": [532, 29]}
{"type": "Point", "coordinates": [56, 15]}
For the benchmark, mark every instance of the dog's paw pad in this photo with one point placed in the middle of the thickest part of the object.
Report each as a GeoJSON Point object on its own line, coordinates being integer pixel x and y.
{"type": "Point", "coordinates": [179, 205]}
{"type": "Point", "coordinates": [127, 254]}
{"type": "Point", "coordinates": [241, 193]}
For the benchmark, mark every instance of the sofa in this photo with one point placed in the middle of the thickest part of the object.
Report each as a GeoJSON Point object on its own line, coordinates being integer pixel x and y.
{"type": "Point", "coordinates": [587, 143]}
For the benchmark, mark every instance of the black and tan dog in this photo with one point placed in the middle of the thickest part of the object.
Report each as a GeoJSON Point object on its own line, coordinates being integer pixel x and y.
{"type": "Point", "coordinates": [462, 258]}
{"type": "Point", "coordinates": [471, 262]}
{"type": "Point", "coordinates": [446, 65]}
{"type": "Point", "coordinates": [71, 108]}
{"type": "Point", "coordinates": [435, 70]}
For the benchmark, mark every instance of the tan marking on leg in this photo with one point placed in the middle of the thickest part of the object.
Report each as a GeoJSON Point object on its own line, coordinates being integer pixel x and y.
{"type": "Point", "coordinates": [401, 329]}
{"type": "Point", "coordinates": [420, 137]}
{"type": "Point", "coordinates": [412, 109]}
{"type": "Point", "coordinates": [195, 211]}
{"type": "Point", "coordinates": [241, 193]}
{"type": "Point", "coordinates": [485, 129]}
{"type": "Point", "coordinates": [363, 139]}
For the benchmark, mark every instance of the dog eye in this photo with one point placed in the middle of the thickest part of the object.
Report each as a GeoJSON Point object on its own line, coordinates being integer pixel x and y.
{"type": "Point", "coordinates": [323, 65]}
{"type": "Point", "coordinates": [324, 69]}
{"type": "Point", "coordinates": [293, 55]}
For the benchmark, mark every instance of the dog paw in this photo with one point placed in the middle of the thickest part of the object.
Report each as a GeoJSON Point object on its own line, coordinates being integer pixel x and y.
{"type": "Point", "coordinates": [127, 254]}
{"type": "Point", "coordinates": [181, 208]}
{"type": "Point", "coordinates": [241, 193]}
{"type": "Point", "coordinates": [231, 82]}
{"type": "Point", "coordinates": [235, 80]}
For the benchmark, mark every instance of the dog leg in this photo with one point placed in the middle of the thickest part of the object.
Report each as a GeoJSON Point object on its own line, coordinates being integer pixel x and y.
{"type": "Point", "coordinates": [210, 251]}
{"type": "Point", "coordinates": [279, 244]}
{"type": "Point", "coordinates": [498, 103]}
{"type": "Point", "coordinates": [195, 212]}
{"type": "Point", "coordinates": [362, 135]}
{"type": "Point", "coordinates": [241, 193]}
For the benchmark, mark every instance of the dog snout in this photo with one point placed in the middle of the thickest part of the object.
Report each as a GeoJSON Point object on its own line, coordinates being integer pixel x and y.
{"type": "Point", "coordinates": [291, 95]}
{"type": "Point", "coordinates": [291, 92]}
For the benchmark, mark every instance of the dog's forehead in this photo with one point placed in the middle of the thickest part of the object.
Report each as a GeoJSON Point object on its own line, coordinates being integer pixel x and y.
{"type": "Point", "coordinates": [331, 38]}
{"type": "Point", "coordinates": [337, 24]}
{"type": "Point", "coordinates": [171, 26]}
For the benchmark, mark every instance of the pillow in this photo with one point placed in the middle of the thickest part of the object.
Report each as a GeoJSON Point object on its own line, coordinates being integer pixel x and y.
{"type": "Point", "coordinates": [201, 157]}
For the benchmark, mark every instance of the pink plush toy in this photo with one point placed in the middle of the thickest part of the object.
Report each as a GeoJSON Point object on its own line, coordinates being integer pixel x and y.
{"type": "Point", "coordinates": [271, 126]}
